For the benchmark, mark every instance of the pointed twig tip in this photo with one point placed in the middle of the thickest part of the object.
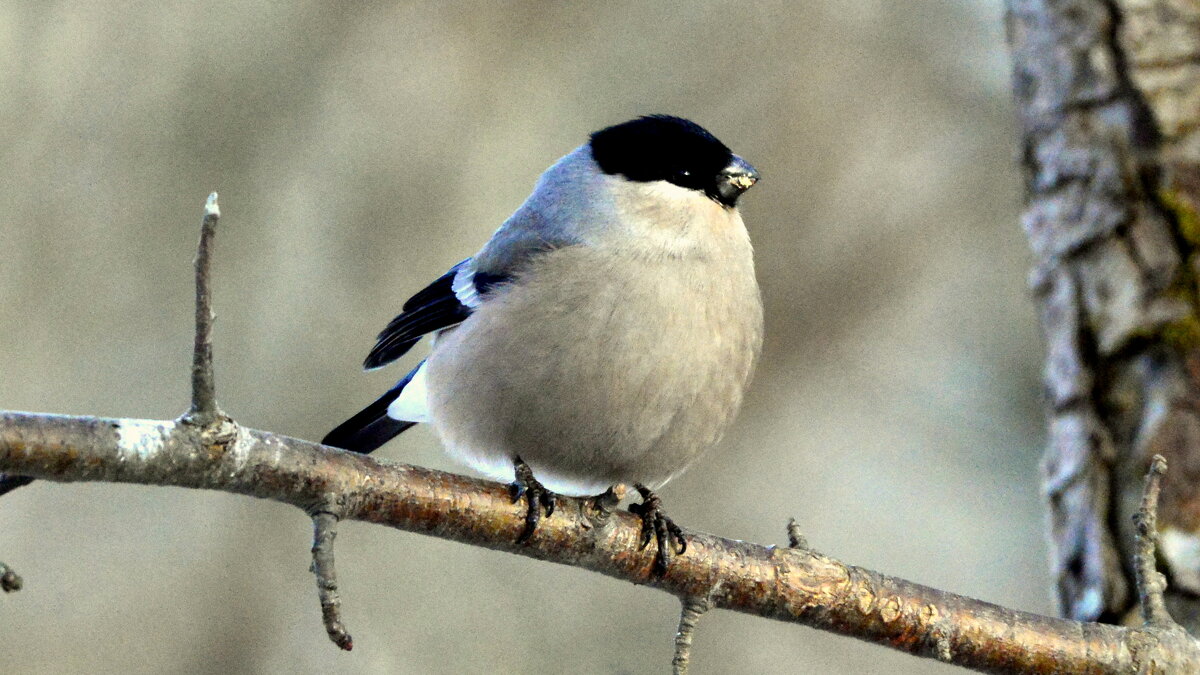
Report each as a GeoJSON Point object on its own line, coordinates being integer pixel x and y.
{"type": "Point", "coordinates": [211, 208]}
{"type": "Point", "coordinates": [1158, 465]}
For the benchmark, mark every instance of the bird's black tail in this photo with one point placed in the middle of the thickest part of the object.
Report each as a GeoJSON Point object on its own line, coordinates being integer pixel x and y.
{"type": "Point", "coordinates": [371, 427]}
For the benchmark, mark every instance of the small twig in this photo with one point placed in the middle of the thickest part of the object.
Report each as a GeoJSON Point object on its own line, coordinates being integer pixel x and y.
{"type": "Point", "coordinates": [796, 538]}
{"type": "Point", "coordinates": [693, 608]}
{"type": "Point", "coordinates": [10, 483]}
{"type": "Point", "coordinates": [9, 580]}
{"type": "Point", "coordinates": [324, 532]}
{"type": "Point", "coordinates": [204, 408]}
{"type": "Point", "coordinates": [1151, 583]}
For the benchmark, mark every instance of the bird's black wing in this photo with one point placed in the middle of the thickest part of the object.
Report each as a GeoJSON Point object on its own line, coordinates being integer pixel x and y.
{"type": "Point", "coordinates": [435, 307]}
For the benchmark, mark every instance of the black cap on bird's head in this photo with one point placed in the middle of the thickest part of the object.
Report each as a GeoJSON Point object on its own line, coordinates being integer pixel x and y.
{"type": "Point", "coordinates": [672, 149]}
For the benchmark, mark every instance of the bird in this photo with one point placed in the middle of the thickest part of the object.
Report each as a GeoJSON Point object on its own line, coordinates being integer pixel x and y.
{"type": "Point", "coordinates": [604, 335]}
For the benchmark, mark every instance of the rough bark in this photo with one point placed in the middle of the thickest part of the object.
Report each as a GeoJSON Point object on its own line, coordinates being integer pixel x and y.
{"type": "Point", "coordinates": [1107, 94]}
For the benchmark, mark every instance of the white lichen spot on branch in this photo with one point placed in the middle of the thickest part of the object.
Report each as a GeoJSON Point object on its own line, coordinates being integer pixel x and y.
{"type": "Point", "coordinates": [141, 440]}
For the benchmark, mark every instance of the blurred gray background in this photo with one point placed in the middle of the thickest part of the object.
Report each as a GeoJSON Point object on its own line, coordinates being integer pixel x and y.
{"type": "Point", "coordinates": [361, 149]}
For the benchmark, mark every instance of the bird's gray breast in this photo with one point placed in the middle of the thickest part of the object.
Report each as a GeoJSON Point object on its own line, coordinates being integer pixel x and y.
{"type": "Point", "coordinates": [598, 369]}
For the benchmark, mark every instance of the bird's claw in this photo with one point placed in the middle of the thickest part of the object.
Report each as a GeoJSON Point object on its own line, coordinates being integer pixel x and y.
{"type": "Point", "coordinates": [655, 524]}
{"type": "Point", "coordinates": [539, 498]}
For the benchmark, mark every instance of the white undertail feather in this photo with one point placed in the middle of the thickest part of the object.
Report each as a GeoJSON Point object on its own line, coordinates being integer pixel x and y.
{"type": "Point", "coordinates": [411, 405]}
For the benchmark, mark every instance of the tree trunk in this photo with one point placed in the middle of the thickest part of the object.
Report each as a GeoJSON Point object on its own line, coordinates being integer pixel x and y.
{"type": "Point", "coordinates": [1108, 94]}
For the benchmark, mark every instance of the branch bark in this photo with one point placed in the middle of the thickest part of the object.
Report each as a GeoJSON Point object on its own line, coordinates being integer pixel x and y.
{"type": "Point", "coordinates": [787, 584]}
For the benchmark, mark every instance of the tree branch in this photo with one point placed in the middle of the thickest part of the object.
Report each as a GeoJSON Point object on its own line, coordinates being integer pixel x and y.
{"type": "Point", "coordinates": [1150, 582]}
{"type": "Point", "coordinates": [204, 389]}
{"type": "Point", "coordinates": [324, 532]}
{"type": "Point", "coordinates": [690, 611]}
{"type": "Point", "coordinates": [787, 584]}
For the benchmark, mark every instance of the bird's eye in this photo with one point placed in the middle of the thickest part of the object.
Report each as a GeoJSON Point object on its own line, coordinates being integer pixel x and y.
{"type": "Point", "coordinates": [685, 173]}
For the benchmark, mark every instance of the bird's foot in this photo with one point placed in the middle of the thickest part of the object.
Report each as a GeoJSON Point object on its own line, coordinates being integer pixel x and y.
{"type": "Point", "coordinates": [538, 496]}
{"type": "Point", "coordinates": [655, 524]}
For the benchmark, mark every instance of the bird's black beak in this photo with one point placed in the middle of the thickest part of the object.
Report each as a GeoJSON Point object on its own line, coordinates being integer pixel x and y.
{"type": "Point", "coordinates": [735, 179]}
